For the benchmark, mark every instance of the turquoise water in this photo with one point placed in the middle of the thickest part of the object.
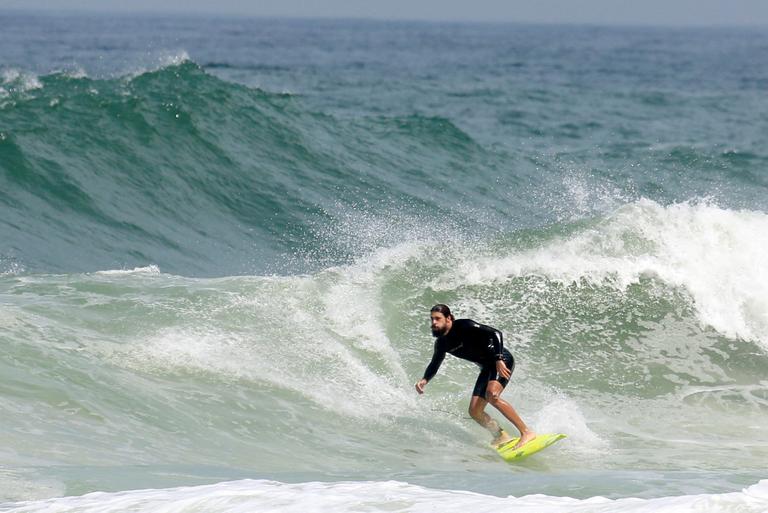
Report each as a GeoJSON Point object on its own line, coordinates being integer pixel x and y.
{"type": "Point", "coordinates": [219, 240]}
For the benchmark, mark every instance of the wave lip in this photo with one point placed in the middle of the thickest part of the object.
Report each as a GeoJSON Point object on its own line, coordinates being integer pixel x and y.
{"type": "Point", "coordinates": [714, 254]}
{"type": "Point", "coordinates": [161, 62]}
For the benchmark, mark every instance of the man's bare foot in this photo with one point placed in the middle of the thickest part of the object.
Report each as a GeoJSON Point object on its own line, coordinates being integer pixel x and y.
{"type": "Point", "coordinates": [502, 439]}
{"type": "Point", "coordinates": [524, 439]}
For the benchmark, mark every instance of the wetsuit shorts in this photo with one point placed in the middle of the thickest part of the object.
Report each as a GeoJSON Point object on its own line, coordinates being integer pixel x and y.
{"type": "Point", "coordinates": [488, 373]}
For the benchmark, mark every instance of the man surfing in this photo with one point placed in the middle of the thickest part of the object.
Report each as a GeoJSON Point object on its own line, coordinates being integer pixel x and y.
{"type": "Point", "coordinates": [483, 345]}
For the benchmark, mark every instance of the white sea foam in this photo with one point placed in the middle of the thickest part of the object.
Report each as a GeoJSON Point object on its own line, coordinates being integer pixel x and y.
{"type": "Point", "coordinates": [172, 59]}
{"type": "Point", "coordinates": [326, 374]}
{"type": "Point", "coordinates": [20, 81]}
{"type": "Point", "coordinates": [562, 415]}
{"type": "Point", "coordinates": [10, 268]}
{"type": "Point", "coordinates": [157, 61]}
{"type": "Point", "coordinates": [148, 270]}
{"type": "Point", "coordinates": [353, 304]}
{"type": "Point", "coordinates": [289, 342]}
{"type": "Point", "coordinates": [251, 496]}
{"type": "Point", "coordinates": [716, 255]}
{"type": "Point", "coordinates": [76, 73]}
{"type": "Point", "coordinates": [320, 336]}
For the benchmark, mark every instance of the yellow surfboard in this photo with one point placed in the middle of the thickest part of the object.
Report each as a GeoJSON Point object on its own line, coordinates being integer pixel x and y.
{"type": "Point", "coordinates": [507, 452]}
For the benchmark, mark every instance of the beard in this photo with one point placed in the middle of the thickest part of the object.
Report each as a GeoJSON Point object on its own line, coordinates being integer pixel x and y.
{"type": "Point", "coordinates": [436, 332]}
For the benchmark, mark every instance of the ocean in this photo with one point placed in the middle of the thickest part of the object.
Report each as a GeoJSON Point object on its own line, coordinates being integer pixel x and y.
{"type": "Point", "coordinates": [220, 239]}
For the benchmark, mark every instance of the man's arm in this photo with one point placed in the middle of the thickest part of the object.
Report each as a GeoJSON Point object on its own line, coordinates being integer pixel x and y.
{"type": "Point", "coordinates": [437, 358]}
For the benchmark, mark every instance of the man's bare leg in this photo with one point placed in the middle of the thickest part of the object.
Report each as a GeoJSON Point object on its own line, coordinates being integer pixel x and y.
{"type": "Point", "coordinates": [477, 412]}
{"type": "Point", "coordinates": [493, 396]}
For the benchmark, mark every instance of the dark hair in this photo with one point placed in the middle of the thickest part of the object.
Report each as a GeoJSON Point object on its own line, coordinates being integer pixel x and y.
{"type": "Point", "coordinates": [443, 309]}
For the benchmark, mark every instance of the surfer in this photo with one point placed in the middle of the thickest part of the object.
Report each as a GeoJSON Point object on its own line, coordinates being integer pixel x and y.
{"type": "Point", "coordinates": [484, 346]}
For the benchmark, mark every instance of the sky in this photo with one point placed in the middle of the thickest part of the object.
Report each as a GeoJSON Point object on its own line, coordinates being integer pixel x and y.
{"type": "Point", "coordinates": [625, 12]}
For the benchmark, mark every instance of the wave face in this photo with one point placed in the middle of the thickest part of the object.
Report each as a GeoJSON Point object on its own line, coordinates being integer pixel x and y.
{"type": "Point", "coordinates": [179, 168]}
{"type": "Point", "coordinates": [216, 263]}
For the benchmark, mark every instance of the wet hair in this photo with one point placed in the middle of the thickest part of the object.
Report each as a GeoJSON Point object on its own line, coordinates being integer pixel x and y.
{"type": "Point", "coordinates": [443, 309]}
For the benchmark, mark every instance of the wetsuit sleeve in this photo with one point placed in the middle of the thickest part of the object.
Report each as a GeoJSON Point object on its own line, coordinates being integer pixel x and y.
{"type": "Point", "coordinates": [437, 358]}
{"type": "Point", "coordinates": [495, 340]}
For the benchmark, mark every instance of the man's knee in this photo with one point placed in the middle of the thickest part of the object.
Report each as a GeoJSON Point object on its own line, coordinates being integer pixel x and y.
{"type": "Point", "coordinates": [493, 394]}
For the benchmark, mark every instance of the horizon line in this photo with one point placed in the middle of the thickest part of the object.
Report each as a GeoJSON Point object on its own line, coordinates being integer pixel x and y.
{"type": "Point", "coordinates": [43, 11]}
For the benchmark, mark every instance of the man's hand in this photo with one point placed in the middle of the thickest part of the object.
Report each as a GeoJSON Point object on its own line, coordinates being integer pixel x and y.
{"type": "Point", "coordinates": [502, 369]}
{"type": "Point", "coordinates": [420, 386]}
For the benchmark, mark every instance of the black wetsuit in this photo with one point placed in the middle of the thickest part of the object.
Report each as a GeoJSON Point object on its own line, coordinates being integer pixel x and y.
{"type": "Point", "coordinates": [477, 343]}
